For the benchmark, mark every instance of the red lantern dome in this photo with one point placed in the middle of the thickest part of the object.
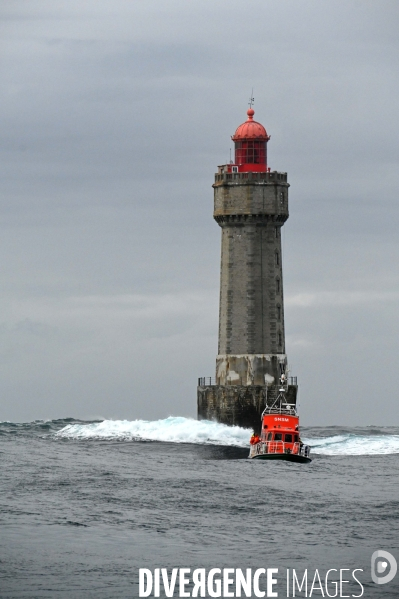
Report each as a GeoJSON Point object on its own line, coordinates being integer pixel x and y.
{"type": "Point", "coordinates": [250, 140]}
{"type": "Point", "coordinates": [250, 129]}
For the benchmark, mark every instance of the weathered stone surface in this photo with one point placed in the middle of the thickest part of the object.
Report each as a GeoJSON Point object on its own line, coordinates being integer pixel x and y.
{"type": "Point", "coordinates": [249, 369]}
{"type": "Point", "coordinates": [240, 405]}
{"type": "Point", "coordinates": [251, 213]}
{"type": "Point", "coordinates": [257, 194]}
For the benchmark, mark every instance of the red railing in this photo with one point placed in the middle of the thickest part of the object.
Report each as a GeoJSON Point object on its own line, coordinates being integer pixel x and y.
{"type": "Point", "coordinates": [279, 447]}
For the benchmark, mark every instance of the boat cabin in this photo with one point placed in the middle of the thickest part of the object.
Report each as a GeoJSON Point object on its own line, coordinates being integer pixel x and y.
{"type": "Point", "coordinates": [280, 428]}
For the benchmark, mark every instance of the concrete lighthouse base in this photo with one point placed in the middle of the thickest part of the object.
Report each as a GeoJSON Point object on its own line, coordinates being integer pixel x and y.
{"type": "Point", "coordinates": [240, 405]}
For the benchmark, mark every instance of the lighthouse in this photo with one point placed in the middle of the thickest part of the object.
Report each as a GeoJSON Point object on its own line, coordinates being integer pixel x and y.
{"type": "Point", "coordinates": [251, 207]}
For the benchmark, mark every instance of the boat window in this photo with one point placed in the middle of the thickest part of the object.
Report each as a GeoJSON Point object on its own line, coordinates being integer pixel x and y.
{"type": "Point", "coordinates": [296, 438]}
{"type": "Point", "coordinates": [278, 437]}
{"type": "Point", "coordinates": [288, 438]}
{"type": "Point", "coordinates": [269, 436]}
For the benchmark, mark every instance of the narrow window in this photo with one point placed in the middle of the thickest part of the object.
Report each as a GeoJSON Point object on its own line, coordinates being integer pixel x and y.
{"type": "Point", "coordinates": [277, 285]}
{"type": "Point", "coordinates": [277, 258]}
{"type": "Point", "coordinates": [281, 198]}
{"type": "Point", "coordinates": [280, 339]}
{"type": "Point", "coordinates": [278, 312]}
{"type": "Point", "coordinates": [276, 232]}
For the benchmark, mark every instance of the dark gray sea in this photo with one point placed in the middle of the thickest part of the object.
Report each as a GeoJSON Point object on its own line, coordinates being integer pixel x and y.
{"type": "Point", "coordinates": [84, 506]}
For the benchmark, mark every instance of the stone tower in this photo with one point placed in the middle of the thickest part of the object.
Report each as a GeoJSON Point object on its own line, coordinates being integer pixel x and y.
{"type": "Point", "coordinates": [251, 206]}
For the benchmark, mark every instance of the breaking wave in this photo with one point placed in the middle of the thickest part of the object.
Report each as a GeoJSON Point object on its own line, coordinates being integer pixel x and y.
{"type": "Point", "coordinates": [171, 430]}
{"type": "Point", "coordinates": [352, 444]}
{"type": "Point", "coordinates": [187, 430]}
{"type": "Point", "coordinates": [328, 441]}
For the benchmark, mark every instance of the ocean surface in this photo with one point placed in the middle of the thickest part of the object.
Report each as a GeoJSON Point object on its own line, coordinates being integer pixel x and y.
{"type": "Point", "coordinates": [84, 505]}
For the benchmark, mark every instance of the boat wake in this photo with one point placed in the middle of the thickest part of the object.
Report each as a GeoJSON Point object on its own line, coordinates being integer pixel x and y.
{"type": "Point", "coordinates": [353, 444]}
{"type": "Point", "coordinates": [204, 432]}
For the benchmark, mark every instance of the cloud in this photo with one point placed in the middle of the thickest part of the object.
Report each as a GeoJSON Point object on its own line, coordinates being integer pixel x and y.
{"type": "Point", "coordinates": [341, 298]}
{"type": "Point", "coordinates": [114, 118]}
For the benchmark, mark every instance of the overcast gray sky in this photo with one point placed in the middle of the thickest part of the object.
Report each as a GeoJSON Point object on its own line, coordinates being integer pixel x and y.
{"type": "Point", "coordinates": [115, 115]}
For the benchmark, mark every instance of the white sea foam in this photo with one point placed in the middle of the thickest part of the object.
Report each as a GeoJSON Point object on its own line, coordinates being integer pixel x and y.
{"type": "Point", "coordinates": [187, 430]}
{"type": "Point", "coordinates": [352, 444]}
{"type": "Point", "coordinates": [172, 430]}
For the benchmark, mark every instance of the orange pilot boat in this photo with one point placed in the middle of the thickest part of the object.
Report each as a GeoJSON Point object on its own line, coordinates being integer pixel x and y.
{"type": "Point", "coordinates": [279, 438]}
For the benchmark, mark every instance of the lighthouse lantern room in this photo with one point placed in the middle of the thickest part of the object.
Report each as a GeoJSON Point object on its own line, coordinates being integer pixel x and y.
{"type": "Point", "coordinates": [250, 148]}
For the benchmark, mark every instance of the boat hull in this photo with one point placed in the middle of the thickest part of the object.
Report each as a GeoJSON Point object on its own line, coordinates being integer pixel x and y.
{"type": "Point", "coordinates": [288, 457]}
